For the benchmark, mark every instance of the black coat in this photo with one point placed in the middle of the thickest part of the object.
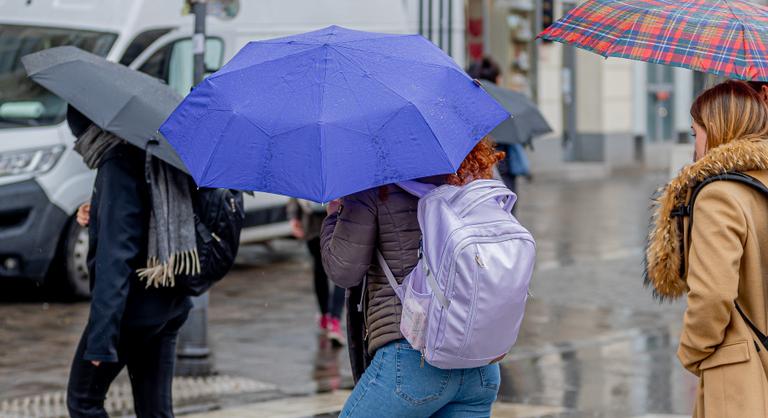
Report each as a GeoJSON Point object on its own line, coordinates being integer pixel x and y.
{"type": "Point", "coordinates": [118, 231]}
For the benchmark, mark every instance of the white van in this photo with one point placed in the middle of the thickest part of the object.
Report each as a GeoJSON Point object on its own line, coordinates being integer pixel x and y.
{"type": "Point", "coordinates": [42, 180]}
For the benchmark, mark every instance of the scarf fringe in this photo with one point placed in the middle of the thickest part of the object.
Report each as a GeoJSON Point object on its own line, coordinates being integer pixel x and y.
{"type": "Point", "coordinates": [163, 274]}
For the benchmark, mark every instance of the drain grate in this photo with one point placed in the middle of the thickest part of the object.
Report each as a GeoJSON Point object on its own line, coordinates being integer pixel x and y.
{"type": "Point", "coordinates": [186, 391]}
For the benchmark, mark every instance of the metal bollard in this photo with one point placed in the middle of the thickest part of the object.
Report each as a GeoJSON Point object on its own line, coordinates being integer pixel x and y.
{"type": "Point", "coordinates": [193, 354]}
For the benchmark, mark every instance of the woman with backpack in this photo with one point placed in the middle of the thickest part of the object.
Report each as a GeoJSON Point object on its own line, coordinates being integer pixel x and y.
{"type": "Point", "coordinates": [392, 377]}
{"type": "Point", "coordinates": [709, 241]}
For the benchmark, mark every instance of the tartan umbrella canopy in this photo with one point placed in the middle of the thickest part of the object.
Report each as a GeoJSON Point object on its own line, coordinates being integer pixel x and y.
{"type": "Point", "coordinates": [722, 37]}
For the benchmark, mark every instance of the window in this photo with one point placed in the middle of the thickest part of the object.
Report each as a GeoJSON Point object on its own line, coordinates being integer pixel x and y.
{"type": "Point", "coordinates": [22, 101]}
{"type": "Point", "coordinates": [141, 42]}
{"type": "Point", "coordinates": [174, 63]}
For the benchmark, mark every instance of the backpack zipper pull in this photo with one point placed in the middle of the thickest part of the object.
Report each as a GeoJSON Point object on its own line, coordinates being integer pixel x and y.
{"type": "Point", "coordinates": [479, 261]}
{"type": "Point", "coordinates": [422, 360]}
{"type": "Point", "coordinates": [365, 337]}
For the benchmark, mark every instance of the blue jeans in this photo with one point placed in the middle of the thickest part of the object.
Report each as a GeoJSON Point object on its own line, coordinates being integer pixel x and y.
{"type": "Point", "coordinates": [396, 385]}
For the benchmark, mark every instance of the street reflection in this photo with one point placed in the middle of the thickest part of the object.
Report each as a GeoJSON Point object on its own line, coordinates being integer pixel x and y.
{"type": "Point", "coordinates": [327, 372]}
{"type": "Point", "coordinates": [619, 372]}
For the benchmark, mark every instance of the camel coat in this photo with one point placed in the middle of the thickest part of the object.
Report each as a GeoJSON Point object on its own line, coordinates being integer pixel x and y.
{"type": "Point", "coordinates": [725, 261]}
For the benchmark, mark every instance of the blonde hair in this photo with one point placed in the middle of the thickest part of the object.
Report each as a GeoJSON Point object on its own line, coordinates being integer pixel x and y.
{"type": "Point", "coordinates": [730, 111]}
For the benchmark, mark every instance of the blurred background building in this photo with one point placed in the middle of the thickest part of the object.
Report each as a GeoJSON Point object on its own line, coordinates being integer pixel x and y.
{"type": "Point", "coordinates": [606, 113]}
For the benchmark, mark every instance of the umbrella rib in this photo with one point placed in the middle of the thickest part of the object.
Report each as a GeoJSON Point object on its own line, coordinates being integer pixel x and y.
{"type": "Point", "coordinates": [360, 67]}
{"type": "Point", "coordinates": [324, 175]}
{"type": "Point", "coordinates": [747, 64]}
{"type": "Point", "coordinates": [384, 36]}
{"type": "Point", "coordinates": [224, 71]}
{"type": "Point", "coordinates": [216, 147]}
{"type": "Point", "coordinates": [445, 155]}
{"type": "Point", "coordinates": [357, 99]}
{"type": "Point", "coordinates": [394, 57]}
{"type": "Point", "coordinates": [114, 116]}
{"type": "Point", "coordinates": [439, 144]}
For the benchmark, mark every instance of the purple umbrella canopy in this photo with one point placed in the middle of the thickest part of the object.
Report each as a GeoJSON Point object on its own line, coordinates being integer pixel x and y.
{"type": "Point", "coordinates": [329, 113]}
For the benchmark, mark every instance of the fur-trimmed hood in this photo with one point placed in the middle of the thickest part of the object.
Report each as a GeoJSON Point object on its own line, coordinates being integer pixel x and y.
{"type": "Point", "coordinates": [664, 249]}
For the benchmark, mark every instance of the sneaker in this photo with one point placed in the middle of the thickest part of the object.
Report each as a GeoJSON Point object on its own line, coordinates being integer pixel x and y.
{"type": "Point", "coordinates": [324, 324]}
{"type": "Point", "coordinates": [335, 333]}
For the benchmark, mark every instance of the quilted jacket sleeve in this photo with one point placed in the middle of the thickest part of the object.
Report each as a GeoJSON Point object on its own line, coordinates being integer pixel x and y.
{"type": "Point", "coordinates": [349, 239]}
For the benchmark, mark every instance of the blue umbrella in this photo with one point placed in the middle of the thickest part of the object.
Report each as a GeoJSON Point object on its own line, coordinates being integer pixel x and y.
{"type": "Point", "coordinates": [328, 113]}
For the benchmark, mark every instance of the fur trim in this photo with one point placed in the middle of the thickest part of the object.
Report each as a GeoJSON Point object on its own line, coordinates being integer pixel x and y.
{"type": "Point", "coordinates": [663, 256]}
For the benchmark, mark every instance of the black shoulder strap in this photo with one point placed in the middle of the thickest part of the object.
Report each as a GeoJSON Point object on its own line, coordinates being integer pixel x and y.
{"type": "Point", "coordinates": [687, 210]}
{"type": "Point", "coordinates": [762, 337]}
{"type": "Point", "coordinates": [731, 176]}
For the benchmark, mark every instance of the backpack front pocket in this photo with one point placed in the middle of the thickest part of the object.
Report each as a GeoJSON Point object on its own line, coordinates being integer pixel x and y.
{"type": "Point", "coordinates": [413, 321]}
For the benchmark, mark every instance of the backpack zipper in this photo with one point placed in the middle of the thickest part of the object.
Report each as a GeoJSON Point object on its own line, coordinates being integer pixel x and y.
{"type": "Point", "coordinates": [479, 260]}
{"type": "Point", "coordinates": [461, 246]}
{"type": "Point", "coordinates": [457, 230]}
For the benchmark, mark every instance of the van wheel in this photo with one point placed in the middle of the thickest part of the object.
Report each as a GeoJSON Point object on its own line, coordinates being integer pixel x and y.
{"type": "Point", "coordinates": [75, 256]}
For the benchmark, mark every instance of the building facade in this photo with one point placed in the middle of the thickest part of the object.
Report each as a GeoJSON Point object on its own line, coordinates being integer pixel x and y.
{"type": "Point", "coordinates": [606, 114]}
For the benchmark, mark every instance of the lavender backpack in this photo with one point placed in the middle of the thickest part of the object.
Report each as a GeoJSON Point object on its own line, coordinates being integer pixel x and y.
{"type": "Point", "coordinates": [464, 301]}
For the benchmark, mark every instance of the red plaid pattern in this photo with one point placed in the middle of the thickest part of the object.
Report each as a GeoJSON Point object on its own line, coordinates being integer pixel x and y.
{"type": "Point", "coordinates": [723, 37]}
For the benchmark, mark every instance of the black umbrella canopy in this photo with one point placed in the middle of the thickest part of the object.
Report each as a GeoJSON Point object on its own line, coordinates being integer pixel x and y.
{"type": "Point", "coordinates": [526, 122]}
{"type": "Point", "coordinates": [128, 103]}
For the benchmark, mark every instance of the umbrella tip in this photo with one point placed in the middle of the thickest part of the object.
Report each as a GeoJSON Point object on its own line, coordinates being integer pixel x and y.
{"type": "Point", "coordinates": [477, 82]}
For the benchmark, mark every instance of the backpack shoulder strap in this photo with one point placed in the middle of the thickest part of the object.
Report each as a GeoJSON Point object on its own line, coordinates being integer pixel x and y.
{"type": "Point", "coordinates": [431, 281]}
{"type": "Point", "coordinates": [762, 337]}
{"type": "Point", "coordinates": [390, 276]}
{"type": "Point", "coordinates": [737, 177]}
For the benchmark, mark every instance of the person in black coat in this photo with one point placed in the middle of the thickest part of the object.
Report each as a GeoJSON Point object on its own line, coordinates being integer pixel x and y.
{"type": "Point", "coordinates": [130, 325]}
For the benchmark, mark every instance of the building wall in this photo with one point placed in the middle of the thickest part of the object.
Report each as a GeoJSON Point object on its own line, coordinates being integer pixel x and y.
{"type": "Point", "coordinates": [614, 102]}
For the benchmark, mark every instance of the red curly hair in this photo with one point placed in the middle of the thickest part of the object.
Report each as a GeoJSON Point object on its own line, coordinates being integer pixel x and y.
{"type": "Point", "coordinates": [478, 164]}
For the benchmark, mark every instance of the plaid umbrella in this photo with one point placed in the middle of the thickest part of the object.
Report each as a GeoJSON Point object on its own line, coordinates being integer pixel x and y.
{"type": "Point", "coordinates": [723, 37]}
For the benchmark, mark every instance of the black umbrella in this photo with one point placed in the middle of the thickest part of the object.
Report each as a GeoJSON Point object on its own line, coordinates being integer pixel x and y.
{"type": "Point", "coordinates": [128, 103]}
{"type": "Point", "coordinates": [526, 122]}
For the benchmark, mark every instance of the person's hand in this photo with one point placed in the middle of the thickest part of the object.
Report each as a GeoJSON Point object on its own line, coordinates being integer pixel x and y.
{"type": "Point", "coordinates": [96, 363]}
{"type": "Point", "coordinates": [84, 214]}
{"type": "Point", "coordinates": [297, 230]}
{"type": "Point", "coordinates": [333, 206]}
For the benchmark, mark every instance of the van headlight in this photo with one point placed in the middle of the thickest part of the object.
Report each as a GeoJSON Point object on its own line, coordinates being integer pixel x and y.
{"type": "Point", "coordinates": [31, 161]}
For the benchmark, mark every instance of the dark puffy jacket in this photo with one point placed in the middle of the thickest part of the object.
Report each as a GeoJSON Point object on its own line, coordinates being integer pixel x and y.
{"type": "Point", "coordinates": [364, 223]}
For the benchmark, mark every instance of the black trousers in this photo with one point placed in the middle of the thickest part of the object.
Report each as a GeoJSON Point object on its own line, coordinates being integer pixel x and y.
{"type": "Point", "coordinates": [149, 353]}
{"type": "Point", "coordinates": [329, 304]}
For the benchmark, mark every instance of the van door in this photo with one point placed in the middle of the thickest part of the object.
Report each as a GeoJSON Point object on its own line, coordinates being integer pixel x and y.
{"type": "Point", "coordinates": [174, 62]}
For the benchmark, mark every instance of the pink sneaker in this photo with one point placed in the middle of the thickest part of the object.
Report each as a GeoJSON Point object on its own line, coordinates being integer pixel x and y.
{"type": "Point", "coordinates": [335, 334]}
{"type": "Point", "coordinates": [324, 323]}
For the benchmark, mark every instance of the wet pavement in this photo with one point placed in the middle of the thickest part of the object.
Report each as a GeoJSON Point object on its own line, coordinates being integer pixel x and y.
{"type": "Point", "coordinates": [593, 344]}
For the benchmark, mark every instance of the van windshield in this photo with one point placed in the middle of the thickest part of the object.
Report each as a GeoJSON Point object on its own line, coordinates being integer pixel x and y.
{"type": "Point", "coordinates": [22, 101]}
